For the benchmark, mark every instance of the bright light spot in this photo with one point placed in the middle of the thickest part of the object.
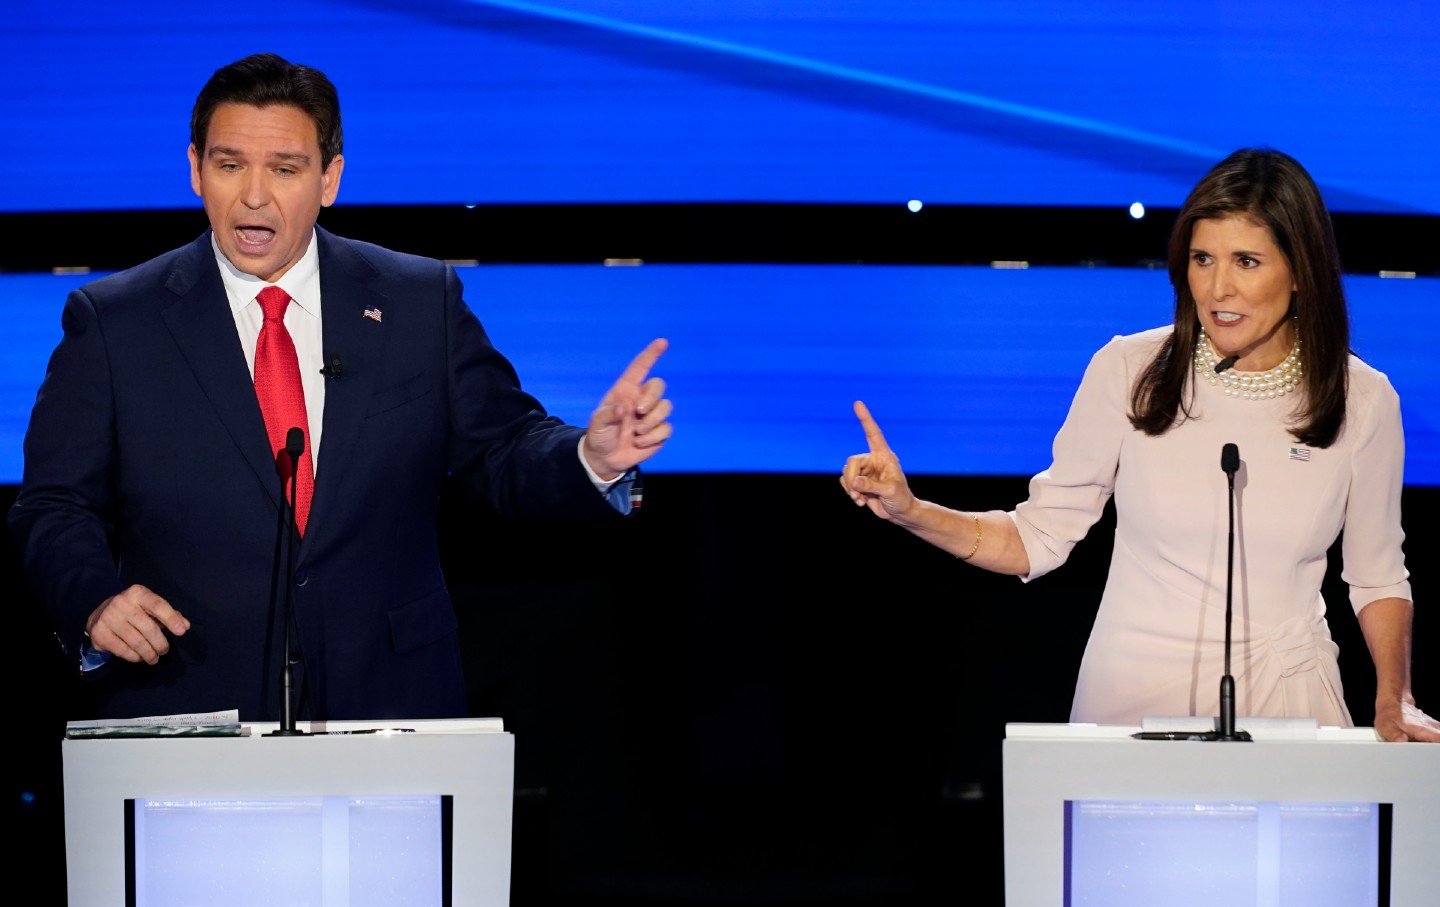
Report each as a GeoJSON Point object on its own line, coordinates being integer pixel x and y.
{"type": "Point", "coordinates": [1137, 210]}
{"type": "Point", "coordinates": [914, 205]}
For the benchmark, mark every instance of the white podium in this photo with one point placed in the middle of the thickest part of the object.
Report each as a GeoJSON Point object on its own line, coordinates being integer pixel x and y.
{"type": "Point", "coordinates": [1272, 805]}
{"type": "Point", "coordinates": [324, 815]}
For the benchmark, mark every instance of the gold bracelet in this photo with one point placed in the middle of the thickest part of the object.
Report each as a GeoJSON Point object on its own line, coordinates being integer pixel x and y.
{"type": "Point", "coordinates": [975, 547]}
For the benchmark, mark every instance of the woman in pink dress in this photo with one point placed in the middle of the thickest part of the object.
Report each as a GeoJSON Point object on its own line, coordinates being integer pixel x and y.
{"type": "Point", "coordinates": [1258, 356]}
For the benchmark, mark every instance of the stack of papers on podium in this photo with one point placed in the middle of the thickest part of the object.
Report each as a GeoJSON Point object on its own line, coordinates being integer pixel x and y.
{"type": "Point", "coordinates": [199, 724]}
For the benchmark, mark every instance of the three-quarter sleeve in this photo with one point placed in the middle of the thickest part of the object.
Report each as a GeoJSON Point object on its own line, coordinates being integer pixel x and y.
{"type": "Point", "coordinates": [1372, 545]}
{"type": "Point", "coordinates": [1067, 498]}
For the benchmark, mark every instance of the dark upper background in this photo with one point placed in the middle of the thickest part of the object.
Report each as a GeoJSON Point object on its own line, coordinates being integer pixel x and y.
{"type": "Point", "coordinates": [754, 694]}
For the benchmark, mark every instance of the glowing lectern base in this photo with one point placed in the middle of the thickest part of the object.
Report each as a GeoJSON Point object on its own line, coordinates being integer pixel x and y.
{"type": "Point", "coordinates": [1093, 816]}
{"type": "Point", "coordinates": [339, 818]}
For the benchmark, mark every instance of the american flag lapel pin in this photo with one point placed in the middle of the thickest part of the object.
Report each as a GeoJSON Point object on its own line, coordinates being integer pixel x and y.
{"type": "Point", "coordinates": [1299, 453]}
{"type": "Point", "coordinates": [373, 314]}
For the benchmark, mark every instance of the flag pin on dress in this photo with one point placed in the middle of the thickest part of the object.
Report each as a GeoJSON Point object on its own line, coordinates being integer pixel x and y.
{"type": "Point", "coordinates": [372, 314]}
{"type": "Point", "coordinates": [1299, 453]}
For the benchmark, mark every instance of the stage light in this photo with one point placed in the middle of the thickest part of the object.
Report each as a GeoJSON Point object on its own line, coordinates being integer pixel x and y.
{"type": "Point", "coordinates": [1137, 210]}
{"type": "Point", "coordinates": [914, 205]}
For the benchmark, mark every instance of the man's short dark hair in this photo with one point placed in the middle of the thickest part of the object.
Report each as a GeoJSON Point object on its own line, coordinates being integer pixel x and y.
{"type": "Point", "coordinates": [264, 80]}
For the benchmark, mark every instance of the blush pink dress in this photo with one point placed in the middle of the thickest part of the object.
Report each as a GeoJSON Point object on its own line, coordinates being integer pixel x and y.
{"type": "Point", "coordinates": [1157, 645]}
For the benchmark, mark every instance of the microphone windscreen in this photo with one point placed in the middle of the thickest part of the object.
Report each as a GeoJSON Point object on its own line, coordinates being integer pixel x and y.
{"type": "Point", "coordinates": [295, 442]}
{"type": "Point", "coordinates": [1230, 458]}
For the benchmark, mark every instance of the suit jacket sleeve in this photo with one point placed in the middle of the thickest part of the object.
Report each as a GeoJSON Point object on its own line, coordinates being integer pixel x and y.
{"type": "Point", "coordinates": [63, 516]}
{"type": "Point", "coordinates": [503, 446]}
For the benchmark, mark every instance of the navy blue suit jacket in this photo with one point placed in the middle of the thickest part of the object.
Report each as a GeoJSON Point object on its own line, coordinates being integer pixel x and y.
{"type": "Point", "coordinates": [146, 461]}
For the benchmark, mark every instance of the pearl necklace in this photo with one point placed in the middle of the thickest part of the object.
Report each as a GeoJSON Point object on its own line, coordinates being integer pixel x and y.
{"type": "Point", "coordinates": [1277, 382]}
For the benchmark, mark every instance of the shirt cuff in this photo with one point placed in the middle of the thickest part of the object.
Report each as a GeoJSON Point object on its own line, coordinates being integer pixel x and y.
{"type": "Point", "coordinates": [90, 657]}
{"type": "Point", "coordinates": [601, 485]}
{"type": "Point", "coordinates": [622, 492]}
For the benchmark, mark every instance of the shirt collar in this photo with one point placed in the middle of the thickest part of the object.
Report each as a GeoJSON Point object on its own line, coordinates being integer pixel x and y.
{"type": "Point", "coordinates": [302, 281]}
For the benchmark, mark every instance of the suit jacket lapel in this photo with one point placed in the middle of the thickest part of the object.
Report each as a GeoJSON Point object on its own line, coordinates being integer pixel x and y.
{"type": "Point", "coordinates": [345, 295]}
{"type": "Point", "coordinates": [200, 321]}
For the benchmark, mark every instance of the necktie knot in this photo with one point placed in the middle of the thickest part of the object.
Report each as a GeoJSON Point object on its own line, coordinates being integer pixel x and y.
{"type": "Point", "coordinates": [273, 302]}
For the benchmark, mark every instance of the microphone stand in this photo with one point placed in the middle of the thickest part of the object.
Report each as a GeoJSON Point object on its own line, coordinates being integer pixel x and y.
{"type": "Point", "coordinates": [294, 447]}
{"type": "Point", "coordinates": [1230, 462]}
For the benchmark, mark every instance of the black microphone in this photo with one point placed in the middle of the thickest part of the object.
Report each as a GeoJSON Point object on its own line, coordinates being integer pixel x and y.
{"type": "Point", "coordinates": [294, 448]}
{"type": "Point", "coordinates": [1230, 460]}
{"type": "Point", "coordinates": [1221, 366]}
{"type": "Point", "coordinates": [332, 370]}
{"type": "Point", "coordinates": [1230, 463]}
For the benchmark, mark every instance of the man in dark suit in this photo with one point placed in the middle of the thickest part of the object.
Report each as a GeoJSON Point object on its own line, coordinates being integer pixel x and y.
{"type": "Point", "coordinates": [151, 514]}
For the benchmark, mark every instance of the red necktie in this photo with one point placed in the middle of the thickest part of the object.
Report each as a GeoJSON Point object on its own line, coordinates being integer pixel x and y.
{"type": "Point", "coordinates": [282, 398]}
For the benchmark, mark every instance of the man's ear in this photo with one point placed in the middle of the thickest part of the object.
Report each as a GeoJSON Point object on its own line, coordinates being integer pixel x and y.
{"type": "Point", "coordinates": [331, 180]}
{"type": "Point", "coordinates": [194, 169]}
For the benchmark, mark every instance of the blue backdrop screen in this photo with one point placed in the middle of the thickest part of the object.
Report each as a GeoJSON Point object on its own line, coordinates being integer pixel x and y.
{"type": "Point", "coordinates": [970, 370]}
{"type": "Point", "coordinates": [1042, 102]}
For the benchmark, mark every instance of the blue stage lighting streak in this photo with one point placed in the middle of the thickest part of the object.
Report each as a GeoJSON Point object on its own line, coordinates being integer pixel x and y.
{"type": "Point", "coordinates": [879, 80]}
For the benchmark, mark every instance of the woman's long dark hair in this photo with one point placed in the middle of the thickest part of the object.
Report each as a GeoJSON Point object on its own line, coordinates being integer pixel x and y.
{"type": "Point", "coordinates": [1274, 190]}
